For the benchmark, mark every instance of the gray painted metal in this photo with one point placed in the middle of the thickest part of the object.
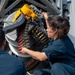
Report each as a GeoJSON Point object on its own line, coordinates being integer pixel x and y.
{"type": "Point", "coordinates": [47, 7]}
{"type": "Point", "coordinates": [72, 20]}
{"type": "Point", "coordinates": [51, 8]}
{"type": "Point", "coordinates": [37, 4]}
{"type": "Point", "coordinates": [4, 10]}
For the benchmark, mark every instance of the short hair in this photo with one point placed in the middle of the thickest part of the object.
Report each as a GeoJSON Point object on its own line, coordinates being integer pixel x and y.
{"type": "Point", "coordinates": [62, 24]}
{"type": "Point", "coordinates": [2, 37]}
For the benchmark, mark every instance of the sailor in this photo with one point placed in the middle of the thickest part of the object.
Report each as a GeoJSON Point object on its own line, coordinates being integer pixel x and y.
{"type": "Point", "coordinates": [9, 64]}
{"type": "Point", "coordinates": [60, 51]}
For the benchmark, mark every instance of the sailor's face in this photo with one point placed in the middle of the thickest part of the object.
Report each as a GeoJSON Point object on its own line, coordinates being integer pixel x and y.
{"type": "Point", "coordinates": [50, 32]}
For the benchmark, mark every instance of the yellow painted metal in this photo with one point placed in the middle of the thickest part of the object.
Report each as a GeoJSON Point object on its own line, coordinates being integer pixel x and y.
{"type": "Point", "coordinates": [27, 11]}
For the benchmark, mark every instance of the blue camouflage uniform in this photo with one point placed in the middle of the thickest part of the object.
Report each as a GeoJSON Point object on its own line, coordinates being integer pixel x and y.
{"type": "Point", "coordinates": [11, 65]}
{"type": "Point", "coordinates": [61, 54]}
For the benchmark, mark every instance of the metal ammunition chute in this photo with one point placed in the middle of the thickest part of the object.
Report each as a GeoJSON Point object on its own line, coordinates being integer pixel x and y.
{"type": "Point", "coordinates": [24, 26]}
{"type": "Point", "coordinates": [26, 29]}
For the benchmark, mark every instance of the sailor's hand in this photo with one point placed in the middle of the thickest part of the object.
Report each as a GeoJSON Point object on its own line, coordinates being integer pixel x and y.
{"type": "Point", "coordinates": [23, 51]}
{"type": "Point", "coordinates": [45, 15]}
